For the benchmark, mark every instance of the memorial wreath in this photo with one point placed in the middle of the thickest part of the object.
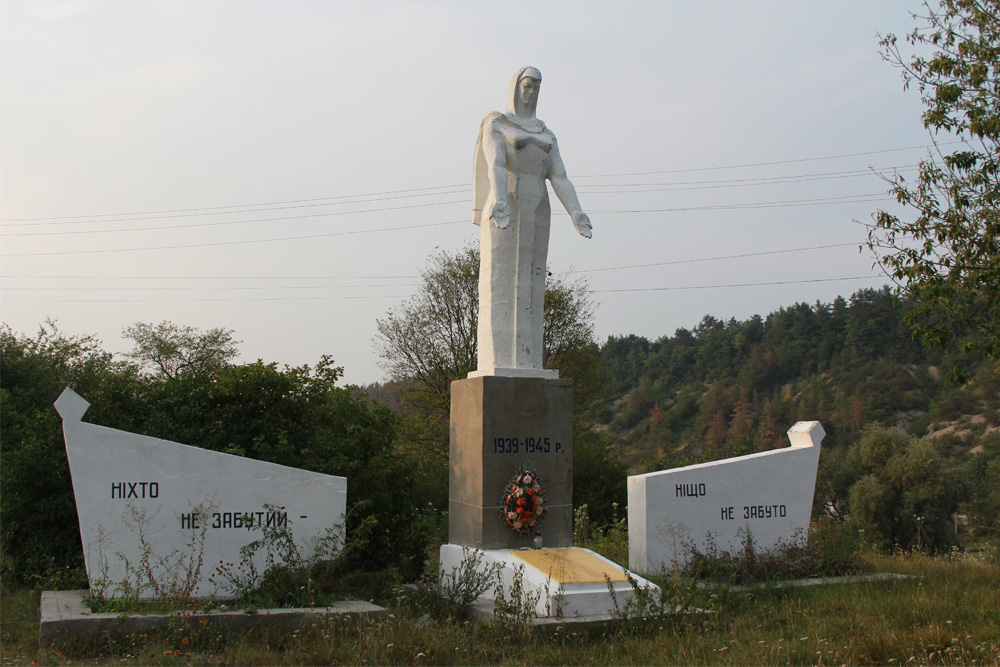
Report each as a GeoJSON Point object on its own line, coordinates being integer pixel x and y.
{"type": "Point", "coordinates": [523, 501]}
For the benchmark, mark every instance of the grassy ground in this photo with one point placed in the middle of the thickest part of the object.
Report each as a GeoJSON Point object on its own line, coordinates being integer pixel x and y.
{"type": "Point", "coordinates": [948, 614]}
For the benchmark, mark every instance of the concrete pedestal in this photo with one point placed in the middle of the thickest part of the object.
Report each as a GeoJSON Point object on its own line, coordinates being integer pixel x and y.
{"type": "Point", "coordinates": [497, 425]}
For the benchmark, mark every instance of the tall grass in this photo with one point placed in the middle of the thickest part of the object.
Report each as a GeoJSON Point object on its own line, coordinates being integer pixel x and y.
{"type": "Point", "coordinates": [948, 613]}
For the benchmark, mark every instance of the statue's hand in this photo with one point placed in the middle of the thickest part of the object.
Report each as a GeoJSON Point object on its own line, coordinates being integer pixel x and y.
{"type": "Point", "coordinates": [500, 214]}
{"type": "Point", "coordinates": [582, 224]}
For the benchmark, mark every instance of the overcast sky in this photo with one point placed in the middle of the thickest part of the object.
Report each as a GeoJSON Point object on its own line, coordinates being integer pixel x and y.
{"type": "Point", "coordinates": [284, 169]}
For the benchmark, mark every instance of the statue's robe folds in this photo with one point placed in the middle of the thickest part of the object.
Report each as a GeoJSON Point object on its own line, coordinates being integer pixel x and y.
{"type": "Point", "coordinates": [513, 260]}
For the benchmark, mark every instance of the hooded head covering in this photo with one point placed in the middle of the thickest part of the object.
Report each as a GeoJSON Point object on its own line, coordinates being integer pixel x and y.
{"type": "Point", "coordinates": [526, 121]}
{"type": "Point", "coordinates": [514, 105]}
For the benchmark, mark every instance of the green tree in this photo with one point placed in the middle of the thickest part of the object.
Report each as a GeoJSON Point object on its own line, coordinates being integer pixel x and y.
{"type": "Point", "coordinates": [982, 474]}
{"type": "Point", "coordinates": [430, 341]}
{"type": "Point", "coordinates": [834, 479]}
{"type": "Point", "coordinates": [600, 478]}
{"type": "Point", "coordinates": [905, 494]}
{"type": "Point", "coordinates": [739, 440]}
{"type": "Point", "coordinates": [767, 435]}
{"type": "Point", "coordinates": [298, 416]}
{"type": "Point", "coordinates": [171, 350]}
{"type": "Point", "coordinates": [39, 531]}
{"type": "Point", "coordinates": [947, 256]}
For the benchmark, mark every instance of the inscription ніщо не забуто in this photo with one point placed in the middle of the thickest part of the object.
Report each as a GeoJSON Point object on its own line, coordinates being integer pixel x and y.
{"type": "Point", "coordinates": [756, 512]}
{"type": "Point", "coordinates": [697, 490]}
{"type": "Point", "coordinates": [526, 446]}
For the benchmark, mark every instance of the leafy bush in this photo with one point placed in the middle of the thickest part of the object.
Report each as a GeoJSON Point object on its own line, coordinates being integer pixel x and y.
{"type": "Point", "coordinates": [39, 531]}
{"type": "Point", "coordinates": [610, 539]}
{"type": "Point", "coordinates": [982, 473]}
{"type": "Point", "coordinates": [906, 495]}
{"type": "Point", "coordinates": [450, 595]}
{"type": "Point", "coordinates": [832, 549]}
{"type": "Point", "coordinates": [599, 476]}
{"type": "Point", "coordinates": [648, 610]}
{"type": "Point", "coordinates": [289, 577]}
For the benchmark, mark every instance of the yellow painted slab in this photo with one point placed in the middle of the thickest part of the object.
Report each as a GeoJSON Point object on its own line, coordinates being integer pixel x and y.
{"type": "Point", "coordinates": [570, 566]}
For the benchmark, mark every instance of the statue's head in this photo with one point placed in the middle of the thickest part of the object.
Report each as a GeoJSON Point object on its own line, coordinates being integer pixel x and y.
{"type": "Point", "coordinates": [523, 95]}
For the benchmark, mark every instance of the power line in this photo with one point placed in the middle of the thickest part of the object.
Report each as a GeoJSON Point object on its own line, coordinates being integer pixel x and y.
{"type": "Point", "coordinates": [168, 289]}
{"type": "Point", "coordinates": [229, 243]}
{"type": "Point", "coordinates": [275, 203]}
{"type": "Point", "coordinates": [681, 186]}
{"type": "Point", "coordinates": [328, 298]}
{"type": "Point", "coordinates": [231, 222]}
{"type": "Point", "coordinates": [676, 186]}
{"type": "Point", "coordinates": [769, 164]}
{"type": "Point", "coordinates": [276, 208]}
{"type": "Point", "coordinates": [278, 298]}
{"type": "Point", "coordinates": [777, 282]}
{"type": "Point", "coordinates": [823, 201]}
{"type": "Point", "coordinates": [79, 277]}
{"type": "Point", "coordinates": [709, 259]}
{"type": "Point", "coordinates": [570, 271]}
{"type": "Point", "coordinates": [398, 296]}
{"type": "Point", "coordinates": [386, 193]}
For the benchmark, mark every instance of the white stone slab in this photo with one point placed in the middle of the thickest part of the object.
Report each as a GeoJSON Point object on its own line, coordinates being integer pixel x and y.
{"type": "Point", "coordinates": [554, 600]}
{"type": "Point", "coordinates": [177, 493]}
{"type": "Point", "coordinates": [64, 618]}
{"type": "Point", "coordinates": [545, 373]}
{"type": "Point", "coordinates": [769, 493]}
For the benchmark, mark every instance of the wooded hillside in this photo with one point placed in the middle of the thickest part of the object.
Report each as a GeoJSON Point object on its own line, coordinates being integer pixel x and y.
{"type": "Point", "coordinates": [733, 387]}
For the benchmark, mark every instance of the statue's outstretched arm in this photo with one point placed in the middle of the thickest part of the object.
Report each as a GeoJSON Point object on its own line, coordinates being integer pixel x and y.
{"type": "Point", "coordinates": [567, 193]}
{"type": "Point", "coordinates": [496, 207]}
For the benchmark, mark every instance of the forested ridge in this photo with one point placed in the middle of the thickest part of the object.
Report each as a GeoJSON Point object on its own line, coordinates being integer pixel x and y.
{"type": "Point", "coordinates": [733, 387]}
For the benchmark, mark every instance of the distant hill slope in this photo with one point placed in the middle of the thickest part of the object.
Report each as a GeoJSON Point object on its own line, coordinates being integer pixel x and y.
{"type": "Point", "coordinates": [733, 387]}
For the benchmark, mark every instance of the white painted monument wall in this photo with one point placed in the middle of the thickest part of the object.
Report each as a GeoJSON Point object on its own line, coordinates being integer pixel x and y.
{"type": "Point", "coordinates": [770, 493]}
{"type": "Point", "coordinates": [177, 492]}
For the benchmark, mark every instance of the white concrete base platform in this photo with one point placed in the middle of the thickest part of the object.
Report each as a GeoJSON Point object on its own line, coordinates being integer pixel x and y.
{"type": "Point", "coordinates": [64, 617]}
{"type": "Point", "coordinates": [570, 583]}
{"type": "Point", "coordinates": [549, 374]}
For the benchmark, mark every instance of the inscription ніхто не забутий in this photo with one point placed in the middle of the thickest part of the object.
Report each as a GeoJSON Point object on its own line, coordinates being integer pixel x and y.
{"type": "Point", "coordinates": [248, 520]}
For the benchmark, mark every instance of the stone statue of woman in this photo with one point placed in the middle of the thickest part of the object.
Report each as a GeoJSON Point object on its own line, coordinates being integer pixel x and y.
{"type": "Point", "coordinates": [515, 154]}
